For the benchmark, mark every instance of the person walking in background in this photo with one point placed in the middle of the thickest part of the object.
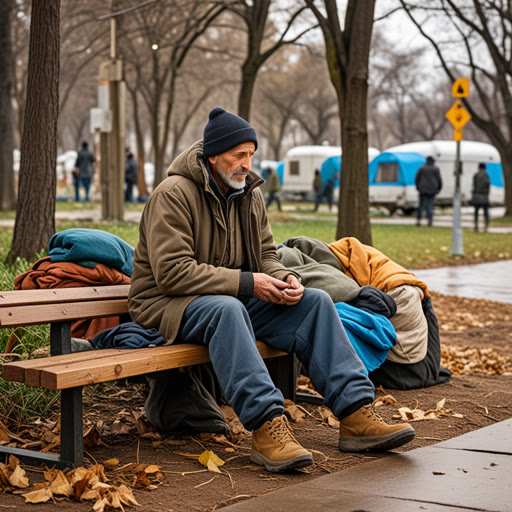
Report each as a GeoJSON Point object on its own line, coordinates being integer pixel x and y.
{"type": "Point", "coordinates": [131, 174]}
{"type": "Point", "coordinates": [318, 186]}
{"type": "Point", "coordinates": [274, 186]}
{"type": "Point", "coordinates": [85, 170]}
{"type": "Point", "coordinates": [428, 183]}
{"type": "Point", "coordinates": [328, 190]}
{"type": "Point", "coordinates": [480, 194]}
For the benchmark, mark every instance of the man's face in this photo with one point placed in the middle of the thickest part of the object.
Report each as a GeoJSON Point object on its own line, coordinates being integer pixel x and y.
{"type": "Point", "coordinates": [230, 168]}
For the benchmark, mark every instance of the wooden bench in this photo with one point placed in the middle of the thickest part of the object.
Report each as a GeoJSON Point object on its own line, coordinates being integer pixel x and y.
{"type": "Point", "coordinates": [68, 372]}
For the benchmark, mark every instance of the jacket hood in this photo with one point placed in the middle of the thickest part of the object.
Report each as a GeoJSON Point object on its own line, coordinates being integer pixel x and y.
{"type": "Point", "coordinates": [191, 164]}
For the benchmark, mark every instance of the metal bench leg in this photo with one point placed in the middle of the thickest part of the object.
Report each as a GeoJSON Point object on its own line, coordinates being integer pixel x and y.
{"type": "Point", "coordinates": [283, 372]}
{"type": "Point", "coordinates": [71, 428]}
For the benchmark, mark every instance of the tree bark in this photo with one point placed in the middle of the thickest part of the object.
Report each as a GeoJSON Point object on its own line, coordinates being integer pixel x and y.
{"type": "Point", "coordinates": [35, 213]}
{"type": "Point", "coordinates": [347, 60]}
{"type": "Point", "coordinates": [7, 191]}
{"type": "Point", "coordinates": [354, 207]}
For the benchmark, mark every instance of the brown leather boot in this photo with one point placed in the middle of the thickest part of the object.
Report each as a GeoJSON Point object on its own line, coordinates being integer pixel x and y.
{"type": "Point", "coordinates": [274, 447]}
{"type": "Point", "coordinates": [365, 430]}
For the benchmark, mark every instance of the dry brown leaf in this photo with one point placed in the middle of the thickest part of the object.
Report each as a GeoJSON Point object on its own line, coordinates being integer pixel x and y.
{"type": "Point", "coordinates": [4, 434]}
{"type": "Point", "coordinates": [141, 480]}
{"type": "Point", "coordinates": [19, 478]}
{"type": "Point", "coordinates": [152, 469]}
{"type": "Point", "coordinates": [38, 496]}
{"type": "Point", "coordinates": [126, 496]}
{"type": "Point", "coordinates": [385, 400]}
{"type": "Point", "coordinates": [80, 486]}
{"type": "Point", "coordinates": [215, 438]}
{"type": "Point", "coordinates": [91, 437]}
{"type": "Point", "coordinates": [293, 412]}
{"type": "Point", "coordinates": [4, 477]}
{"type": "Point", "coordinates": [60, 485]}
{"type": "Point", "coordinates": [111, 463]}
{"type": "Point", "coordinates": [90, 495]}
{"type": "Point", "coordinates": [143, 426]}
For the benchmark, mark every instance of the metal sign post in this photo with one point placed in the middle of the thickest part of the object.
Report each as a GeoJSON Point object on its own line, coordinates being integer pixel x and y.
{"type": "Point", "coordinates": [458, 116]}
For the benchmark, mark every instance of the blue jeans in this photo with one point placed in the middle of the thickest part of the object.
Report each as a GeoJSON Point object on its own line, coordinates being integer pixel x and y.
{"type": "Point", "coordinates": [86, 183]}
{"type": "Point", "coordinates": [427, 204]}
{"type": "Point", "coordinates": [311, 329]}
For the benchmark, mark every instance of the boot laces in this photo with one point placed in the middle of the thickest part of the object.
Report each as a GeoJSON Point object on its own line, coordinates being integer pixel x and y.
{"type": "Point", "coordinates": [369, 411]}
{"type": "Point", "coordinates": [281, 431]}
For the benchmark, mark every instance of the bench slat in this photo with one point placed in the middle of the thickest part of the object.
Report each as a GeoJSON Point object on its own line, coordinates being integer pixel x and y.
{"type": "Point", "coordinates": [15, 316]}
{"type": "Point", "coordinates": [128, 363]}
{"type": "Point", "coordinates": [49, 296]}
{"type": "Point", "coordinates": [15, 371]}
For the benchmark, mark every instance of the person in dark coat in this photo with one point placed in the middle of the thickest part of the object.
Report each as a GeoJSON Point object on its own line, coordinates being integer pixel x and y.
{"type": "Point", "coordinates": [428, 183]}
{"type": "Point", "coordinates": [318, 186]}
{"type": "Point", "coordinates": [328, 191]}
{"type": "Point", "coordinates": [480, 194]}
{"type": "Point", "coordinates": [84, 167]}
{"type": "Point", "coordinates": [131, 174]}
{"type": "Point", "coordinates": [274, 186]}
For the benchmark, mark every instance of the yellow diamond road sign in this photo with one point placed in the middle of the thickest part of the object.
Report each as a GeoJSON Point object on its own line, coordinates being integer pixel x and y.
{"type": "Point", "coordinates": [458, 115]}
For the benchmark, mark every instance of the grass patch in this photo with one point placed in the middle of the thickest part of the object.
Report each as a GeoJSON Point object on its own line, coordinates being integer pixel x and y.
{"type": "Point", "coordinates": [502, 221]}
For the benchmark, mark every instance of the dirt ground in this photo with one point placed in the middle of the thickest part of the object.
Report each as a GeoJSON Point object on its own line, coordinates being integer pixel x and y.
{"type": "Point", "coordinates": [479, 396]}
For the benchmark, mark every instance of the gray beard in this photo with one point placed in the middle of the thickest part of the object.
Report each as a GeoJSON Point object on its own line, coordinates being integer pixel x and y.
{"type": "Point", "coordinates": [229, 181]}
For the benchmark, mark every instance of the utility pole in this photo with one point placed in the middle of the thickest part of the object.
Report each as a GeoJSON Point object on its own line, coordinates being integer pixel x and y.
{"type": "Point", "coordinates": [110, 120]}
{"type": "Point", "coordinates": [458, 116]}
{"type": "Point", "coordinates": [112, 142]}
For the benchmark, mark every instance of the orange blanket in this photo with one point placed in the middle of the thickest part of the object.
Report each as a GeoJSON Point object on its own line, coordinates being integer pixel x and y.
{"type": "Point", "coordinates": [368, 266]}
{"type": "Point", "coordinates": [45, 274]}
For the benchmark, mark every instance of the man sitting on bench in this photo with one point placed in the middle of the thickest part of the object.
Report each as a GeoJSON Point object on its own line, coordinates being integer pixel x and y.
{"type": "Point", "coordinates": [206, 271]}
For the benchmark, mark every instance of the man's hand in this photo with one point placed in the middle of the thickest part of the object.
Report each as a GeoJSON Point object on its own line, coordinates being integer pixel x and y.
{"type": "Point", "coordinates": [270, 289]}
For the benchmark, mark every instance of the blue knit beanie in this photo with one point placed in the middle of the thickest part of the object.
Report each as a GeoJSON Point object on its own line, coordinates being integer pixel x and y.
{"type": "Point", "coordinates": [224, 131]}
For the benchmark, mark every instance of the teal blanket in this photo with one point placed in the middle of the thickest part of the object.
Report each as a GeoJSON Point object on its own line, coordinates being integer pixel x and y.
{"type": "Point", "coordinates": [88, 247]}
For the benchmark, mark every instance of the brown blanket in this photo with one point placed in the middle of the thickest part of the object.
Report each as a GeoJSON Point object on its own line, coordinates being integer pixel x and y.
{"type": "Point", "coordinates": [45, 274]}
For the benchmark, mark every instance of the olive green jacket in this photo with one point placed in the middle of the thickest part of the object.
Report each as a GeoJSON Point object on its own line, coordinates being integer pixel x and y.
{"type": "Point", "coordinates": [183, 239]}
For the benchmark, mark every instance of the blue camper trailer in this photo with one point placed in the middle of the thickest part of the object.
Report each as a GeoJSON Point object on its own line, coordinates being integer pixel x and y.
{"type": "Point", "coordinates": [391, 177]}
{"type": "Point", "coordinates": [471, 154]}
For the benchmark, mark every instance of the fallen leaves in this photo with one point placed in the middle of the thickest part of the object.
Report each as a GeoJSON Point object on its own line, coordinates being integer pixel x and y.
{"type": "Point", "coordinates": [12, 476]}
{"type": "Point", "coordinates": [82, 484]}
{"type": "Point", "coordinates": [407, 414]}
{"type": "Point", "coordinates": [475, 360]}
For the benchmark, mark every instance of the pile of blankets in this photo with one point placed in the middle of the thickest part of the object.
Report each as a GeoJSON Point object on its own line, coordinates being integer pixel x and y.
{"type": "Point", "coordinates": [82, 257]}
{"type": "Point", "coordinates": [385, 309]}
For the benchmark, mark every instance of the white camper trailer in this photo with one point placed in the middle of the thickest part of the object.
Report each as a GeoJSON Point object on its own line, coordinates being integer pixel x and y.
{"type": "Point", "coordinates": [299, 167]}
{"type": "Point", "coordinates": [471, 154]}
{"type": "Point", "coordinates": [300, 163]}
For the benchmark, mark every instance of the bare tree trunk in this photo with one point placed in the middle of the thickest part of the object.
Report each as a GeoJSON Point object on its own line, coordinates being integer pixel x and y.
{"type": "Point", "coordinates": [7, 192]}
{"type": "Point", "coordinates": [35, 214]}
{"type": "Point", "coordinates": [506, 163]}
{"type": "Point", "coordinates": [348, 53]}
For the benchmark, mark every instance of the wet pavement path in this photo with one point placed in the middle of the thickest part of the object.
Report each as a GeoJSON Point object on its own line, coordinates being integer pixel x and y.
{"type": "Point", "coordinates": [488, 281]}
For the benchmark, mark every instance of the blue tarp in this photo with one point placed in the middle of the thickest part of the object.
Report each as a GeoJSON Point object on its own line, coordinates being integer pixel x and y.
{"type": "Point", "coordinates": [495, 172]}
{"type": "Point", "coordinates": [280, 170]}
{"type": "Point", "coordinates": [408, 164]}
{"type": "Point", "coordinates": [329, 168]}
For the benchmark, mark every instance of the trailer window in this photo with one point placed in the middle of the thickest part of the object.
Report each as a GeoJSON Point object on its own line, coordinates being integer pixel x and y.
{"type": "Point", "coordinates": [387, 173]}
{"type": "Point", "coordinates": [294, 167]}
